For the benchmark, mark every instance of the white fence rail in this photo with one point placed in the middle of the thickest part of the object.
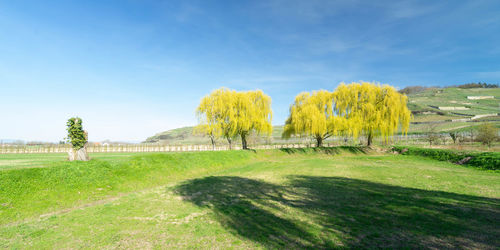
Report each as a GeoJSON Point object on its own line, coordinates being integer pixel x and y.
{"type": "Point", "coordinates": [133, 148]}
{"type": "Point", "coordinates": [137, 148]}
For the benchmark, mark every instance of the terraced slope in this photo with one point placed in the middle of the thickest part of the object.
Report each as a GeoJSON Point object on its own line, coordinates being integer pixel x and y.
{"type": "Point", "coordinates": [425, 107]}
{"type": "Point", "coordinates": [455, 97]}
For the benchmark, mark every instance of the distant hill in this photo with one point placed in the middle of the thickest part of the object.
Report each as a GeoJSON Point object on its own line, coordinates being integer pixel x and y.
{"type": "Point", "coordinates": [424, 106]}
{"type": "Point", "coordinates": [184, 135]}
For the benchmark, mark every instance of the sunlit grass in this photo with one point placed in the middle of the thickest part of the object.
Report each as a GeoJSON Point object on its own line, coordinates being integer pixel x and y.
{"type": "Point", "coordinates": [342, 197]}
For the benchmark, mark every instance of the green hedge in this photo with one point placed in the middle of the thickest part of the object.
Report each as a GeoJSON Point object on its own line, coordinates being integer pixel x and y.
{"type": "Point", "coordinates": [484, 160]}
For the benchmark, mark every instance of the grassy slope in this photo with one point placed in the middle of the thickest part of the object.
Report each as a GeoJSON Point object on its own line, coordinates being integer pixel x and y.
{"type": "Point", "coordinates": [417, 102]}
{"type": "Point", "coordinates": [16, 161]}
{"type": "Point", "coordinates": [33, 191]}
{"type": "Point", "coordinates": [241, 199]}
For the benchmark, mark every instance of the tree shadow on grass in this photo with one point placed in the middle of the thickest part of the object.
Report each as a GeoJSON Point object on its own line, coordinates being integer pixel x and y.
{"type": "Point", "coordinates": [326, 150]}
{"type": "Point", "coordinates": [327, 212]}
{"type": "Point", "coordinates": [242, 205]}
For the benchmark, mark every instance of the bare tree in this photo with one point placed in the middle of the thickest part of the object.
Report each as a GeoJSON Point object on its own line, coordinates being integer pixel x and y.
{"type": "Point", "coordinates": [454, 137]}
{"type": "Point", "coordinates": [432, 136]}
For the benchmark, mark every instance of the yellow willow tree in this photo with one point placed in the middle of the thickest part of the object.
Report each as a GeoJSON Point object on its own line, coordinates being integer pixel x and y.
{"type": "Point", "coordinates": [227, 113]}
{"type": "Point", "coordinates": [252, 114]}
{"type": "Point", "coordinates": [215, 114]}
{"type": "Point", "coordinates": [371, 109]}
{"type": "Point", "coordinates": [313, 115]}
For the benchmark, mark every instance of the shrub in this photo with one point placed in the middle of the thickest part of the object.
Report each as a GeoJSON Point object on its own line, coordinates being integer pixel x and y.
{"type": "Point", "coordinates": [487, 134]}
{"type": "Point", "coordinates": [483, 160]}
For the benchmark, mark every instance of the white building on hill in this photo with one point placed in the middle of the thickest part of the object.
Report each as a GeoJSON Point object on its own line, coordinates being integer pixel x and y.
{"type": "Point", "coordinates": [480, 97]}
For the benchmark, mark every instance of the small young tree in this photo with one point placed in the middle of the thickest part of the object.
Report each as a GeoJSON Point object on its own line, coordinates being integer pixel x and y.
{"type": "Point", "coordinates": [461, 138]}
{"type": "Point", "coordinates": [487, 134]}
{"type": "Point", "coordinates": [454, 136]}
{"type": "Point", "coordinates": [77, 137]}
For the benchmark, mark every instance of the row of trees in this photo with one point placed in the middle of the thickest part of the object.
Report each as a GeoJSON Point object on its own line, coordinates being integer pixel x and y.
{"type": "Point", "coordinates": [485, 133]}
{"type": "Point", "coordinates": [351, 110]}
{"type": "Point", "coordinates": [476, 85]}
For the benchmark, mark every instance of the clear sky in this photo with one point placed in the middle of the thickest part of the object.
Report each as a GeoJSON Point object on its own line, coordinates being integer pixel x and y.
{"type": "Point", "coordinates": [131, 69]}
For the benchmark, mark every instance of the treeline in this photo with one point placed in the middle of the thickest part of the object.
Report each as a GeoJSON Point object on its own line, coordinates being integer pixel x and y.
{"type": "Point", "coordinates": [475, 85]}
{"type": "Point", "coordinates": [485, 133]}
{"type": "Point", "coordinates": [417, 88]}
{"type": "Point", "coordinates": [350, 110]}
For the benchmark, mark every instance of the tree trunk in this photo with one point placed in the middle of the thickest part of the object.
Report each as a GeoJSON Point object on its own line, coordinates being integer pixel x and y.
{"type": "Point", "coordinates": [370, 138]}
{"type": "Point", "coordinates": [319, 141]}
{"type": "Point", "coordinates": [244, 141]}
{"type": "Point", "coordinates": [213, 142]}
{"type": "Point", "coordinates": [78, 155]}
{"type": "Point", "coordinates": [230, 143]}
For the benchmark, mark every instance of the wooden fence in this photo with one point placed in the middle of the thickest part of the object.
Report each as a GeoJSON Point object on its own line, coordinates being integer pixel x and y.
{"type": "Point", "coordinates": [137, 148]}
{"type": "Point", "coordinates": [133, 148]}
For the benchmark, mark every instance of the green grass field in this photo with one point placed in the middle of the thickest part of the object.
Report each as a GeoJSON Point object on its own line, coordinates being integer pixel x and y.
{"type": "Point", "coordinates": [328, 198]}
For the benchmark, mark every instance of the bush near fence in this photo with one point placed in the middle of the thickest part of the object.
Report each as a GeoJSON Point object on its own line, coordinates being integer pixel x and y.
{"type": "Point", "coordinates": [483, 160]}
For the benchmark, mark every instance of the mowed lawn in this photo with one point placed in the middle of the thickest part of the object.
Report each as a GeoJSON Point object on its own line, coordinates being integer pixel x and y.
{"type": "Point", "coordinates": [16, 161]}
{"type": "Point", "coordinates": [328, 198]}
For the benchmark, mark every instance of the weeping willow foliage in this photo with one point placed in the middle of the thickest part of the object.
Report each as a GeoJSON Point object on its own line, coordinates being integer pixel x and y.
{"type": "Point", "coordinates": [313, 115]}
{"type": "Point", "coordinates": [253, 113]}
{"type": "Point", "coordinates": [214, 114]}
{"type": "Point", "coordinates": [371, 109]}
{"type": "Point", "coordinates": [228, 113]}
{"type": "Point", "coordinates": [352, 109]}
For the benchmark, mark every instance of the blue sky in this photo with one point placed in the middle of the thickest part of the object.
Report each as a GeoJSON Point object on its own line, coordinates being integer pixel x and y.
{"type": "Point", "coordinates": [134, 68]}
